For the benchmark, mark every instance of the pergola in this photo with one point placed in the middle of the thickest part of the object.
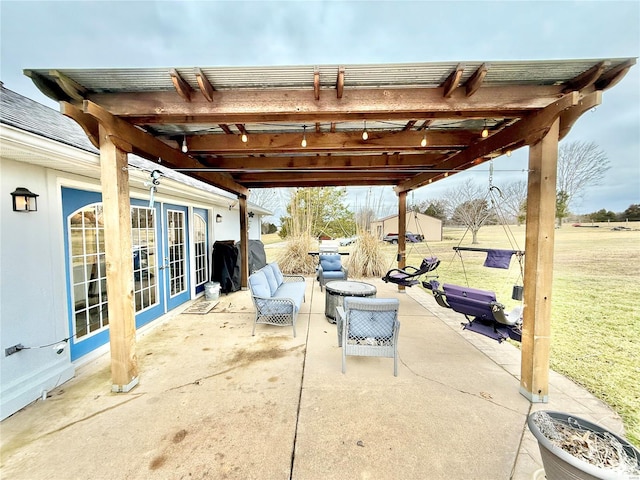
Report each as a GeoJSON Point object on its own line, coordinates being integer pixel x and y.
{"type": "Point", "coordinates": [405, 125]}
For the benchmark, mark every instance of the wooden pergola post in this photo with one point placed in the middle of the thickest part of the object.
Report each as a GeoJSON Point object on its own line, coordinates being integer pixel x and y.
{"type": "Point", "coordinates": [244, 242]}
{"type": "Point", "coordinates": [538, 269]}
{"type": "Point", "coordinates": [402, 230]}
{"type": "Point", "coordinates": [119, 264]}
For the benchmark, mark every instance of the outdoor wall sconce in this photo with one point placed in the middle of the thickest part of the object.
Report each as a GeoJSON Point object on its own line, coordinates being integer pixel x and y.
{"type": "Point", "coordinates": [24, 200]}
{"type": "Point", "coordinates": [218, 218]}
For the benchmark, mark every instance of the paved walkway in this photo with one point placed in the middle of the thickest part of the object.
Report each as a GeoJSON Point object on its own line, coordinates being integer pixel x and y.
{"type": "Point", "coordinates": [215, 402]}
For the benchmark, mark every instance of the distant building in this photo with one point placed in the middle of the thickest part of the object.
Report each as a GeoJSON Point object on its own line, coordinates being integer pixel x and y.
{"type": "Point", "coordinates": [429, 227]}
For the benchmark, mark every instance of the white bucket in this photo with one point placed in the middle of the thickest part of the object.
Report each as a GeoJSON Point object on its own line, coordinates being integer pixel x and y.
{"type": "Point", "coordinates": [211, 291]}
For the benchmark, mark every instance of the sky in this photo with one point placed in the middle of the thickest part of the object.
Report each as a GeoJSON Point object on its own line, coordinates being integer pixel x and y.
{"type": "Point", "coordinates": [108, 34]}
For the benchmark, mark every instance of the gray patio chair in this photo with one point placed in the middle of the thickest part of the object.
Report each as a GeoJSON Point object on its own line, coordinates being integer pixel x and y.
{"type": "Point", "coordinates": [330, 268]}
{"type": "Point", "coordinates": [368, 327]}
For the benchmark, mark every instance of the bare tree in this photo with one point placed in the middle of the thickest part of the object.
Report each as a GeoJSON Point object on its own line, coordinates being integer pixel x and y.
{"type": "Point", "coordinates": [272, 199]}
{"type": "Point", "coordinates": [580, 165]}
{"type": "Point", "coordinates": [468, 205]}
{"type": "Point", "coordinates": [514, 200]}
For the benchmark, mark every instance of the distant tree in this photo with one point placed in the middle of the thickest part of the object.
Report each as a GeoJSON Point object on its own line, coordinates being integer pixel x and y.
{"type": "Point", "coordinates": [562, 206]}
{"type": "Point", "coordinates": [603, 215]}
{"type": "Point", "coordinates": [364, 217]}
{"type": "Point", "coordinates": [268, 227]}
{"type": "Point", "coordinates": [272, 199]}
{"type": "Point", "coordinates": [318, 212]}
{"type": "Point", "coordinates": [434, 208]}
{"type": "Point", "coordinates": [580, 165]}
{"type": "Point", "coordinates": [514, 200]}
{"type": "Point", "coordinates": [469, 207]}
{"type": "Point", "coordinates": [631, 214]}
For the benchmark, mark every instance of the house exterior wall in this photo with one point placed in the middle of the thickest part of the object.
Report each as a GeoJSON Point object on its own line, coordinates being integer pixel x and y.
{"type": "Point", "coordinates": [32, 289]}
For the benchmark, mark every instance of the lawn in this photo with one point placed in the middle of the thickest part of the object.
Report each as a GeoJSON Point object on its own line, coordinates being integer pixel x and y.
{"type": "Point", "coordinates": [595, 313]}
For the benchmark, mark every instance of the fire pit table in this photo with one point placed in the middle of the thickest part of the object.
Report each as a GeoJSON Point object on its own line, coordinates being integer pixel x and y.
{"type": "Point", "coordinates": [338, 289]}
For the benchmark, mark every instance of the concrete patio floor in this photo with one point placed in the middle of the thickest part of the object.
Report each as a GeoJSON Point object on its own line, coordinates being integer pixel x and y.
{"type": "Point", "coordinates": [215, 402]}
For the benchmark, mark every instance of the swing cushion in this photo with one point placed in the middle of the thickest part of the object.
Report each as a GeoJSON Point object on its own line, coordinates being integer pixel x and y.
{"type": "Point", "coordinates": [470, 301]}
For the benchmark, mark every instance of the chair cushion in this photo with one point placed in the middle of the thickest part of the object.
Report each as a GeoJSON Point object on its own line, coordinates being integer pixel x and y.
{"type": "Point", "coordinates": [259, 284]}
{"type": "Point", "coordinates": [276, 272]}
{"type": "Point", "coordinates": [271, 278]}
{"type": "Point", "coordinates": [330, 263]}
{"type": "Point", "coordinates": [294, 291]}
{"type": "Point", "coordinates": [333, 275]}
{"type": "Point", "coordinates": [371, 317]}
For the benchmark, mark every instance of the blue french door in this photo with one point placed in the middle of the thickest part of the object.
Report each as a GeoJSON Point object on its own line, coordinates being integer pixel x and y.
{"type": "Point", "coordinates": [175, 265]}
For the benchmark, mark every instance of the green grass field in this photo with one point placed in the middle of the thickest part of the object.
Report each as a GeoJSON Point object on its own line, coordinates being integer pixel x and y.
{"type": "Point", "coordinates": [595, 312]}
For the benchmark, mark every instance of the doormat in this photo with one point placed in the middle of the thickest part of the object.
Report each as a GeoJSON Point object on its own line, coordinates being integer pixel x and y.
{"type": "Point", "coordinates": [201, 308]}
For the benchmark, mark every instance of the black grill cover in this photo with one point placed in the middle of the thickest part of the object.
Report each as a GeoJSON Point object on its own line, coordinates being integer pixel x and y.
{"type": "Point", "coordinates": [226, 263]}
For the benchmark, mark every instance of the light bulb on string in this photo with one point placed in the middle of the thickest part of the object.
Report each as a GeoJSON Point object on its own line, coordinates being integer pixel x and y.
{"type": "Point", "coordinates": [365, 134]}
{"type": "Point", "coordinates": [185, 149]}
{"type": "Point", "coordinates": [244, 138]}
{"type": "Point", "coordinates": [508, 153]}
{"type": "Point", "coordinates": [303, 144]}
{"type": "Point", "coordinates": [485, 131]}
{"type": "Point", "coordinates": [423, 142]}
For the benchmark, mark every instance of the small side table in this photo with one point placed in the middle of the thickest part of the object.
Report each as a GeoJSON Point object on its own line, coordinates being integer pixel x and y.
{"type": "Point", "coordinates": [338, 289]}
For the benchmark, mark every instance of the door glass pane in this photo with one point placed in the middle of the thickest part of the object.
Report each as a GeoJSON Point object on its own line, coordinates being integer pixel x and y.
{"type": "Point", "coordinates": [144, 257]}
{"type": "Point", "coordinates": [200, 244]}
{"type": "Point", "coordinates": [177, 252]}
{"type": "Point", "coordinates": [88, 273]}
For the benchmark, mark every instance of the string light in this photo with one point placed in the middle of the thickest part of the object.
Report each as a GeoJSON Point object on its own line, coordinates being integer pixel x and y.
{"type": "Point", "coordinates": [244, 138]}
{"type": "Point", "coordinates": [423, 142]}
{"type": "Point", "coordinates": [430, 180]}
{"type": "Point", "coordinates": [185, 149]}
{"type": "Point", "coordinates": [303, 144]}
{"type": "Point", "coordinates": [485, 131]}
{"type": "Point", "coordinates": [365, 134]}
{"type": "Point", "coordinates": [446, 174]}
{"type": "Point", "coordinates": [508, 153]}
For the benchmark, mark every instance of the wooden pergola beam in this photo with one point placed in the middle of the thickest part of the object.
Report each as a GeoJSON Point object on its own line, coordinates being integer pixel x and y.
{"type": "Point", "coordinates": [325, 141]}
{"type": "Point", "coordinates": [225, 128]}
{"type": "Point", "coordinates": [530, 129]}
{"type": "Point", "coordinates": [205, 85]}
{"type": "Point", "coordinates": [571, 115]}
{"type": "Point", "coordinates": [475, 81]}
{"type": "Point", "coordinates": [256, 106]}
{"type": "Point", "coordinates": [613, 76]}
{"type": "Point", "coordinates": [316, 85]}
{"type": "Point", "coordinates": [326, 161]}
{"type": "Point", "coordinates": [69, 86]}
{"type": "Point", "coordinates": [586, 78]}
{"type": "Point", "coordinates": [182, 87]}
{"type": "Point", "coordinates": [452, 81]}
{"type": "Point", "coordinates": [409, 125]}
{"type": "Point", "coordinates": [149, 147]}
{"type": "Point", "coordinates": [340, 83]}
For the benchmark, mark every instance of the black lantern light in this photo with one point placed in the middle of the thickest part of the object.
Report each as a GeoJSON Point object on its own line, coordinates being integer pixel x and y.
{"type": "Point", "coordinates": [218, 218]}
{"type": "Point", "coordinates": [24, 200]}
